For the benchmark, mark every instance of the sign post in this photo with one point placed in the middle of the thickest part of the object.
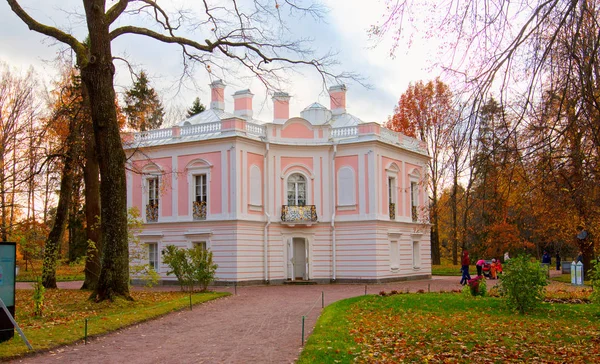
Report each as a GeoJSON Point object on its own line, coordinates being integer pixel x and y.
{"type": "Point", "coordinates": [8, 257]}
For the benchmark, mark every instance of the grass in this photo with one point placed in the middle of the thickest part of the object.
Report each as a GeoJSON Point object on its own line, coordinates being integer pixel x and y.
{"type": "Point", "coordinates": [443, 327]}
{"type": "Point", "coordinates": [65, 312]}
{"type": "Point", "coordinates": [446, 270]}
{"type": "Point", "coordinates": [64, 271]}
{"type": "Point", "coordinates": [566, 278]}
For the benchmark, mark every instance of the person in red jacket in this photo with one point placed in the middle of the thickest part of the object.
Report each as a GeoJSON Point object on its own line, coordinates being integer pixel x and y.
{"type": "Point", "coordinates": [465, 261]}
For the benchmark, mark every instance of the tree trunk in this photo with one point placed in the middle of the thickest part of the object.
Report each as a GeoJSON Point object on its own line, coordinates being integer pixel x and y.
{"type": "Point", "coordinates": [435, 238]}
{"type": "Point", "coordinates": [97, 74]}
{"type": "Point", "coordinates": [455, 216]}
{"type": "Point", "coordinates": [92, 204]}
{"type": "Point", "coordinates": [52, 246]}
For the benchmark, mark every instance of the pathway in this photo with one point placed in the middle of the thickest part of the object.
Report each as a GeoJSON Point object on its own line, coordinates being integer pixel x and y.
{"type": "Point", "coordinates": [261, 324]}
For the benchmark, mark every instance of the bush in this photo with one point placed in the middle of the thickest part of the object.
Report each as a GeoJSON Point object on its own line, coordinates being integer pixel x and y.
{"type": "Point", "coordinates": [190, 266]}
{"type": "Point", "coordinates": [523, 283]}
{"type": "Point", "coordinates": [476, 286]}
{"type": "Point", "coordinates": [38, 297]}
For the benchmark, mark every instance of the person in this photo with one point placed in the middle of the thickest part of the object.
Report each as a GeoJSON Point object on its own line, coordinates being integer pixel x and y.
{"type": "Point", "coordinates": [494, 269]}
{"type": "Point", "coordinates": [557, 261]}
{"type": "Point", "coordinates": [465, 261]}
{"type": "Point", "coordinates": [579, 257]}
{"type": "Point", "coordinates": [479, 266]}
{"type": "Point", "coordinates": [546, 259]}
{"type": "Point", "coordinates": [506, 257]}
{"type": "Point", "coordinates": [498, 267]}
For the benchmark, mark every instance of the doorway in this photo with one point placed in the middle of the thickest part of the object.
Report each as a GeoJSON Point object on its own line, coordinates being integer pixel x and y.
{"type": "Point", "coordinates": [299, 259]}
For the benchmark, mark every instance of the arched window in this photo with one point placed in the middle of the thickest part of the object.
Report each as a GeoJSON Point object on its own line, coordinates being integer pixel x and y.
{"type": "Point", "coordinates": [296, 190]}
{"type": "Point", "coordinates": [346, 188]}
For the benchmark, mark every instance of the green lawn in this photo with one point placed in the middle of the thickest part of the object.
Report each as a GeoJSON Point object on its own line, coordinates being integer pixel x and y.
{"type": "Point", "coordinates": [445, 327]}
{"type": "Point", "coordinates": [64, 271]}
{"type": "Point", "coordinates": [65, 312]}
{"type": "Point", "coordinates": [566, 278]}
{"type": "Point", "coordinates": [448, 270]}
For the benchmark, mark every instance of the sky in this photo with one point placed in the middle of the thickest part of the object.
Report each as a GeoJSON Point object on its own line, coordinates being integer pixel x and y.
{"type": "Point", "coordinates": [343, 29]}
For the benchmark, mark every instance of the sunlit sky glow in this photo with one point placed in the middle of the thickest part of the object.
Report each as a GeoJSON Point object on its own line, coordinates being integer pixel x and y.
{"type": "Point", "coordinates": [344, 29]}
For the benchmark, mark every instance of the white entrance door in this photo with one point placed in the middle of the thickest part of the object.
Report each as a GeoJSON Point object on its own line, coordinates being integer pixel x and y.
{"type": "Point", "coordinates": [299, 260]}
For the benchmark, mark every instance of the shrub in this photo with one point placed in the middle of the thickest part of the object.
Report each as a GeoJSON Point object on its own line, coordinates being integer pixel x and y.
{"type": "Point", "coordinates": [477, 286]}
{"type": "Point", "coordinates": [38, 297]}
{"type": "Point", "coordinates": [203, 267]}
{"type": "Point", "coordinates": [523, 283]}
{"type": "Point", "coordinates": [382, 293]}
{"type": "Point", "coordinates": [190, 266]}
{"type": "Point", "coordinates": [179, 265]}
{"type": "Point", "coordinates": [594, 275]}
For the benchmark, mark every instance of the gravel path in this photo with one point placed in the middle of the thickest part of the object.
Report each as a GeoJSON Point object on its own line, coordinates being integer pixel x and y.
{"type": "Point", "coordinates": [261, 324]}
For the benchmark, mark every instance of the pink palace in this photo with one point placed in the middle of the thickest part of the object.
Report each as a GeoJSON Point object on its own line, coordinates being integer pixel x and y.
{"type": "Point", "coordinates": [321, 197]}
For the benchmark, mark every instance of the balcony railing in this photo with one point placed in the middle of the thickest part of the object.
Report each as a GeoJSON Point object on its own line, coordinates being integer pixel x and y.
{"type": "Point", "coordinates": [299, 214]}
{"type": "Point", "coordinates": [392, 211]}
{"type": "Point", "coordinates": [199, 210]}
{"type": "Point", "coordinates": [152, 212]}
{"type": "Point", "coordinates": [415, 214]}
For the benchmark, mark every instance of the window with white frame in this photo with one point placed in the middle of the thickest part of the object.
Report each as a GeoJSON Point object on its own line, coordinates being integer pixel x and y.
{"type": "Point", "coordinates": [255, 186]}
{"type": "Point", "coordinates": [392, 197]}
{"type": "Point", "coordinates": [414, 200]}
{"type": "Point", "coordinates": [296, 190]}
{"type": "Point", "coordinates": [153, 256]}
{"type": "Point", "coordinates": [416, 254]}
{"type": "Point", "coordinates": [346, 187]}
{"type": "Point", "coordinates": [153, 191]}
{"type": "Point", "coordinates": [200, 188]}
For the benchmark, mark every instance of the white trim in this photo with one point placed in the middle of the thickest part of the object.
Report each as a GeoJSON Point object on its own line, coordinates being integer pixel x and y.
{"type": "Point", "coordinates": [174, 188]}
{"type": "Point", "coordinates": [293, 167]}
{"type": "Point", "coordinates": [346, 207]}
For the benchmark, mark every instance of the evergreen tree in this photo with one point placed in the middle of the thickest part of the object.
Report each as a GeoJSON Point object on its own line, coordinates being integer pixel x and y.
{"type": "Point", "coordinates": [144, 110]}
{"type": "Point", "coordinates": [196, 108]}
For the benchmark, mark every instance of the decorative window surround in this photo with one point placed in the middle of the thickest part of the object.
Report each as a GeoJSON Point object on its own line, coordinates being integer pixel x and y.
{"type": "Point", "coordinates": [196, 168]}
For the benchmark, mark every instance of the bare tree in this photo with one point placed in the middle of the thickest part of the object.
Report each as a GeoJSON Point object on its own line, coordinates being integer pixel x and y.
{"type": "Point", "coordinates": [251, 34]}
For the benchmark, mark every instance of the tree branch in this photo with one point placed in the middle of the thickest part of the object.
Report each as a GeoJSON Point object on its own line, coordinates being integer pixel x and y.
{"type": "Point", "coordinates": [113, 13]}
{"type": "Point", "coordinates": [53, 32]}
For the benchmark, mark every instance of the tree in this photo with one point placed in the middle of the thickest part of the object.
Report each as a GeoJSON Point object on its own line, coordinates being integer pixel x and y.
{"type": "Point", "coordinates": [144, 110]}
{"type": "Point", "coordinates": [255, 40]}
{"type": "Point", "coordinates": [67, 110]}
{"type": "Point", "coordinates": [197, 108]}
{"type": "Point", "coordinates": [425, 111]}
{"type": "Point", "coordinates": [17, 116]}
{"type": "Point", "coordinates": [547, 48]}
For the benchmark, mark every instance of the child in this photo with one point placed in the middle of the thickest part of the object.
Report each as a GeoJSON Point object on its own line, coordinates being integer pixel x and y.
{"type": "Point", "coordinates": [479, 266]}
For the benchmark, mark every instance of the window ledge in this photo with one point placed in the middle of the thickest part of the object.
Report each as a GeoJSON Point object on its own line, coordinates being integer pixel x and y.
{"type": "Point", "coordinates": [346, 207]}
{"type": "Point", "coordinates": [252, 207]}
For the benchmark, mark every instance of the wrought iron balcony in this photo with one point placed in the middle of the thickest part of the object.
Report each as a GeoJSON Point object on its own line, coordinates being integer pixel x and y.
{"type": "Point", "coordinates": [392, 211]}
{"type": "Point", "coordinates": [199, 210]}
{"type": "Point", "coordinates": [152, 212]}
{"type": "Point", "coordinates": [299, 214]}
{"type": "Point", "coordinates": [415, 214]}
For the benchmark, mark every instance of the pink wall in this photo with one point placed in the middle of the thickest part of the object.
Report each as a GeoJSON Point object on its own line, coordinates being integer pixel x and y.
{"type": "Point", "coordinates": [257, 160]}
{"type": "Point", "coordinates": [217, 94]}
{"type": "Point", "coordinates": [337, 100]}
{"type": "Point", "coordinates": [347, 161]}
{"type": "Point", "coordinates": [282, 109]}
{"type": "Point", "coordinates": [214, 159]}
{"type": "Point", "coordinates": [242, 103]}
{"type": "Point", "coordinates": [297, 130]}
{"type": "Point", "coordinates": [166, 189]}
